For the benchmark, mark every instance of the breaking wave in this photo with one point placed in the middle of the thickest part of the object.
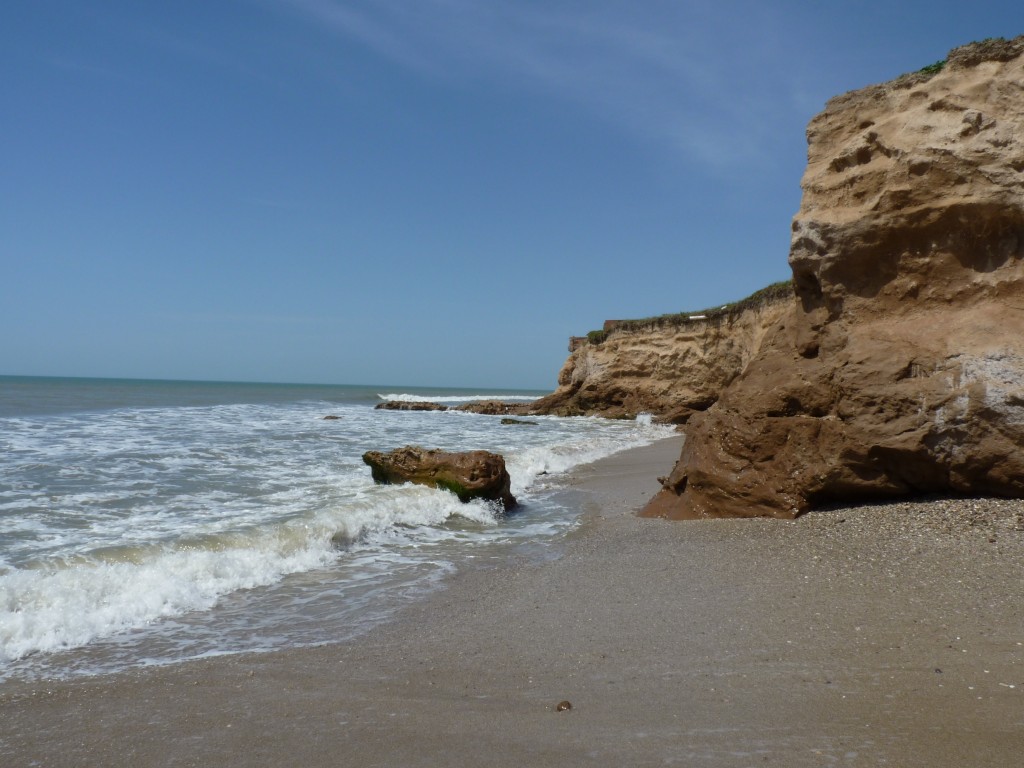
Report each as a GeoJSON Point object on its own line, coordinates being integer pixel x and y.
{"type": "Point", "coordinates": [160, 522]}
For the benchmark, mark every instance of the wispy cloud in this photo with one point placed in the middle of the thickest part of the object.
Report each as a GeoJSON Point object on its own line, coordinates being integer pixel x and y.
{"type": "Point", "coordinates": [379, 26]}
{"type": "Point", "coordinates": [88, 68]}
{"type": "Point", "coordinates": [685, 74]}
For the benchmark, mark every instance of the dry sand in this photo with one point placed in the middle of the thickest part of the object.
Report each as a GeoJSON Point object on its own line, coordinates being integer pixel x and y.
{"type": "Point", "coordinates": [887, 635]}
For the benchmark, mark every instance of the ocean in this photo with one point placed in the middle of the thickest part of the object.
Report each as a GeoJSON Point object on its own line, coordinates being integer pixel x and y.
{"type": "Point", "coordinates": [152, 522]}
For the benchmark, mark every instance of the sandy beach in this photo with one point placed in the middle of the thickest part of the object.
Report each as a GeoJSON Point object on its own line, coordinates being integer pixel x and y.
{"type": "Point", "coordinates": [880, 635]}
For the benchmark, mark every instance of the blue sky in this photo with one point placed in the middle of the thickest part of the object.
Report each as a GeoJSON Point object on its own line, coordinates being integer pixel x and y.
{"type": "Point", "coordinates": [419, 192]}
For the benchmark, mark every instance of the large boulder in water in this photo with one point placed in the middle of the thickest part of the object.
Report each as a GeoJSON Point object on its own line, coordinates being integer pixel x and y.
{"type": "Point", "coordinates": [467, 474]}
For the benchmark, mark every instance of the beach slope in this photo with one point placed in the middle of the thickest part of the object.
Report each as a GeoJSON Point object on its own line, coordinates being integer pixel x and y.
{"type": "Point", "coordinates": [887, 635]}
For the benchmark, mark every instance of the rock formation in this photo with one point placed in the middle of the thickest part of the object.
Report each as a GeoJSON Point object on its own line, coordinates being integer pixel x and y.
{"type": "Point", "coordinates": [485, 407]}
{"type": "Point", "coordinates": [403, 405]}
{"type": "Point", "coordinates": [494, 407]}
{"type": "Point", "coordinates": [901, 368]}
{"type": "Point", "coordinates": [469, 474]}
{"type": "Point", "coordinates": [671, 366]}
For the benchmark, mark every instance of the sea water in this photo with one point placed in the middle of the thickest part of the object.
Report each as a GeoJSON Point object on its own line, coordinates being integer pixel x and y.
{"type": "Point", "coordinates": [150, 522]}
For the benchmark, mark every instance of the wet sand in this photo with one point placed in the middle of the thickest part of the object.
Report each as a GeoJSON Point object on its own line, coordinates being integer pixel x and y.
{"type": "Point", "coordinates": [872, 636]}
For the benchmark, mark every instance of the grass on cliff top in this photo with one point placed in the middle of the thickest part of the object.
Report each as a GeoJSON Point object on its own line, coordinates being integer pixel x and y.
{"type": "Point", "coordinates": [768, 295]}
{"type": "Point", "coordinates": [997, 48]}
{"type": "Point", "coordinates": [969, 55]}
{"type": "Point", "coordinates": [933, 69]}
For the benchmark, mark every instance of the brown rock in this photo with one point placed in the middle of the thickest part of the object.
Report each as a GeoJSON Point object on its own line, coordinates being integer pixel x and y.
{"type": "Point", "coordinates": [469, 474]}
{"type": "Point", "coordinates": [901, 369]}
{"type": "Point", "coordinates": [402, 405]}
{"type": "Point", "coordinates": [494, 407]}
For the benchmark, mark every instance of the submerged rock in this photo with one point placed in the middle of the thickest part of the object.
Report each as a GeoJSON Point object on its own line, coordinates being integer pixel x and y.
{"type": "Point", "coordinates": [402, 405]}
{"type": "Point", "coordinates": [522, 422]}
{"type": "Point", "coordinates": [468, 474]}
{"type": "Point", "coordinates": [494, 407]}
{"type": "Point", "coordinates": [900, 369]}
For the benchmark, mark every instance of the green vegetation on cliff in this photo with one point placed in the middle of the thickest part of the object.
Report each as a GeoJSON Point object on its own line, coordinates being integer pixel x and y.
{"type": "Point", "coordinates": [989, 49]}
{"type": "Point", "coordinates": [771, 294]}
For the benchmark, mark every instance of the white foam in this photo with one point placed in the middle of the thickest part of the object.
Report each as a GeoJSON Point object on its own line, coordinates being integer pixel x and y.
{"type": "Point", "coordinates": [58, 604]}
{"type": "Point", "coordinates": [46, 609]}
{"type": "Point", "coordinates": [526, 465]}
{"type": "Point", "coordinates": [122, 519]}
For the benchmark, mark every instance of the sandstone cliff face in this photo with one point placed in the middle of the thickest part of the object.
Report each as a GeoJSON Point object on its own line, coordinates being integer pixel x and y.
{"type": "Point", "coordinates": [669, 369]}
{"type": "Point", "coordinates": [901, 368]}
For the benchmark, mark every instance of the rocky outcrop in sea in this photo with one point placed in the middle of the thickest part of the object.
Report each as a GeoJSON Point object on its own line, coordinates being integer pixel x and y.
{"type": "Point", "coordinates": [467, 474]}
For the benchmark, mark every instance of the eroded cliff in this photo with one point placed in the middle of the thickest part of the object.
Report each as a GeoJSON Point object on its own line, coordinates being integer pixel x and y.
{"type": "Point", "coordinates": [900, 370]}
{"type": "Point", "coordinates": [671, 367]}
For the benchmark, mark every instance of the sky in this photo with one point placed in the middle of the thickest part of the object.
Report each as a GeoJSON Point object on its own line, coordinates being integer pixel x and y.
{"type": "Point", "coordinates": [417, 192]}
